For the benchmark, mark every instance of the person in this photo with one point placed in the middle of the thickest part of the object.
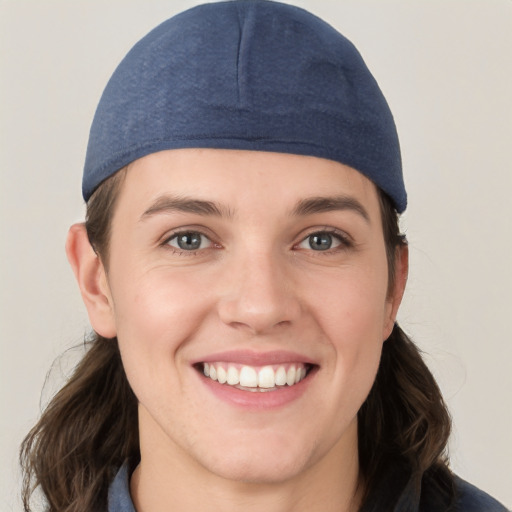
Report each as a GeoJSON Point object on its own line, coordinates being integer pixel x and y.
{"type": "Point", "coordinates": [242, 268]}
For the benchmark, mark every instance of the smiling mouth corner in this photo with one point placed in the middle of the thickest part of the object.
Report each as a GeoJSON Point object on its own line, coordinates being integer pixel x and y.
{"type": "Point", "coordinates": [255, 378]}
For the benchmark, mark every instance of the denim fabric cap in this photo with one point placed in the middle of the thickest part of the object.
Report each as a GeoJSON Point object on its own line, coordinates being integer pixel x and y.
{"type": "Point", "coordinates": [246, 74]}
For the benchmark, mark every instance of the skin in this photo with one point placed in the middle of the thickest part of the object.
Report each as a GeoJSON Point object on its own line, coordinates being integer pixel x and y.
{"type": "Point", "coordinates": [255, 284]}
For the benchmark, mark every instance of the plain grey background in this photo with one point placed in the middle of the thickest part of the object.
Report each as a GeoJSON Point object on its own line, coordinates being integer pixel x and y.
{"type": "Point", "coordinates": [445, 67]}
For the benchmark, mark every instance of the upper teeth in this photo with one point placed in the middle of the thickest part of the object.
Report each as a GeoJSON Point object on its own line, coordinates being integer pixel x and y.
{"type": "Point", "coordinates": [255, 376]}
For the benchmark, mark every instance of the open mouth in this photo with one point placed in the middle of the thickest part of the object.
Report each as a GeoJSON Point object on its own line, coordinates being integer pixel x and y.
{"type": "Point", "coordinates": [256, 378]}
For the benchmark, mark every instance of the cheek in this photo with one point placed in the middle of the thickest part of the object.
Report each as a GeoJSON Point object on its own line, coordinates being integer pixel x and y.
{"type": "Point", "coordinates": [351, 311]}
{"type": "Point", "coordinates": [352, 305]}
{"type": "Point", "coordinates": [159, 302]}
{"type": "Point", "coordinates": [156, 313]}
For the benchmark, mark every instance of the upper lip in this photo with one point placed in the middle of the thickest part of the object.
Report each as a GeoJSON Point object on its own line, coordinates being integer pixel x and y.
{"type": "Point", "coordinates": [256, 358]}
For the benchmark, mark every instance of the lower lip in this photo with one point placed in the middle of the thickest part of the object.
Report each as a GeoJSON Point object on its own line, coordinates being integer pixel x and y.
{"type": "Point", "coordinates": [257, 400]}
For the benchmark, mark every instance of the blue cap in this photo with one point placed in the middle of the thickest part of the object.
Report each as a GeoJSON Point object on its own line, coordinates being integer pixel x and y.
{"type": "Point", "coordinates": [246, 74]}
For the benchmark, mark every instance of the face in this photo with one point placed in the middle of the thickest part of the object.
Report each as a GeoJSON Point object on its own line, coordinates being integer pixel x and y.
{"type": "Point", "coordinates": [249, 295]}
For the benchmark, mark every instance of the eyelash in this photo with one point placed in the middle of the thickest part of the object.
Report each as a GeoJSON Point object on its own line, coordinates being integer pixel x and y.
{"type": "Point", "coordinates": [344, 241]}
{"type": "Point", "coordinates": [190, 232]}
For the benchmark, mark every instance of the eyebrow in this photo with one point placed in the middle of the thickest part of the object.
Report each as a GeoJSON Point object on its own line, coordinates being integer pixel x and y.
{"type": "Point", "coordinates": [309, 206]}
{"type": "Point", "coordinates": [168, 204]}
{"type": "Point", "coordinates": [322, 204]}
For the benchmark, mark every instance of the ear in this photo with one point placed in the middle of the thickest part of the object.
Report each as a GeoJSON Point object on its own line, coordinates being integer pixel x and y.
{"type": "Point", "coordinates": [396, 294]}
{"type": "Point", "coordinates": [92, 280]}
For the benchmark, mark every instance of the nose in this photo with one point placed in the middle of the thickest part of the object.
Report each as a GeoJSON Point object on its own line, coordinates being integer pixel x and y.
{"type": "Point", "coordinates": [259, 294]}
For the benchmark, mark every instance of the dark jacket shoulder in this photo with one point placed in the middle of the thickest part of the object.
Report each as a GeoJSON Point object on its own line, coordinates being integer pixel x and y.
{"type": "Point", "coordinates": [471, 499]}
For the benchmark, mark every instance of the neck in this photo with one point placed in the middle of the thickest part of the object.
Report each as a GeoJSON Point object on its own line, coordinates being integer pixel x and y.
{"type": "Point", "coordinates": [169, 477]}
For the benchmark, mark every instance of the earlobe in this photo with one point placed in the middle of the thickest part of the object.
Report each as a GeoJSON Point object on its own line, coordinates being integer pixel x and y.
{"type": "Point", "coordinates": [396, 295]}
{"type": "Point", "coordinates": [92, 280]}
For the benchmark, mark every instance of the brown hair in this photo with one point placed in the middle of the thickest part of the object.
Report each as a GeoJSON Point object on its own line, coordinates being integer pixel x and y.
{"type": "Point", "coordinates": [90, 427]}
{"type": "Point", "coordinates": [404, 424]}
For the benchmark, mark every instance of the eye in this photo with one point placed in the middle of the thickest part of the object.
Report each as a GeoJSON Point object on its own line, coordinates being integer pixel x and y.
{"type": "Point", "coordinates": [189, 241]}
{"type": "Point", "coordinates": [323, 241]}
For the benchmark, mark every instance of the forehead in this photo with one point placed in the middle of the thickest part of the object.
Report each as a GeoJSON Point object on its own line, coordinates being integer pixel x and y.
{"type": "Point", "coordinates": [241, 178]}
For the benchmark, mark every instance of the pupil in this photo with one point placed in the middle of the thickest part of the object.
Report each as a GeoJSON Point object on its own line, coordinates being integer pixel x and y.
{"type": "Point", "coordinates": [189, 241]}
{"type": "Point", "coordinates": [320, 242]}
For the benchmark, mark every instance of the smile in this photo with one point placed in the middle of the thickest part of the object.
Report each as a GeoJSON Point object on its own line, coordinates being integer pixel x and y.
{"type": "Point", "coordinates": [256, 378]}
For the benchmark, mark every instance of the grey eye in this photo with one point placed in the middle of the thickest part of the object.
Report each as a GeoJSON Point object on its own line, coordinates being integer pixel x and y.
{"type": "Point", "coordinates": [189, 241]}
{"type": "Point", "coordinates": [320, 241]}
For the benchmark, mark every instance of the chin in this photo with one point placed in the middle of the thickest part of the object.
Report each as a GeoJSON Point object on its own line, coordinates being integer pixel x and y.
{"type": "Point", "coordinates": [257, 470]}
{"type": "Point", "coordinates": [270, 459]}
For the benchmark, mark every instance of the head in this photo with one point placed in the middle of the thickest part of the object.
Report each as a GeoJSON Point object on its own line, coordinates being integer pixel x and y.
{"type": "Point", "coordinates": [276, 182]}
{"type": "Point", "coordinates": [242, 226]}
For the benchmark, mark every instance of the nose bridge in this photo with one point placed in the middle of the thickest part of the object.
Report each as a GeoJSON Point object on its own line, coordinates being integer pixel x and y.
{"type": "Point", "coordinates": [259, 294]}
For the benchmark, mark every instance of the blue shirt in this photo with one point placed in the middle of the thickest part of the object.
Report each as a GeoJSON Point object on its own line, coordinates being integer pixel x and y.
{"type": "Point", "coordinates": [470, 499]}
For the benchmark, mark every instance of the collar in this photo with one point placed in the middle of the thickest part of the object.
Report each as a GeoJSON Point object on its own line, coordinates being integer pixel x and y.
{"type": "Point", "coordinates": [119, 499]}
